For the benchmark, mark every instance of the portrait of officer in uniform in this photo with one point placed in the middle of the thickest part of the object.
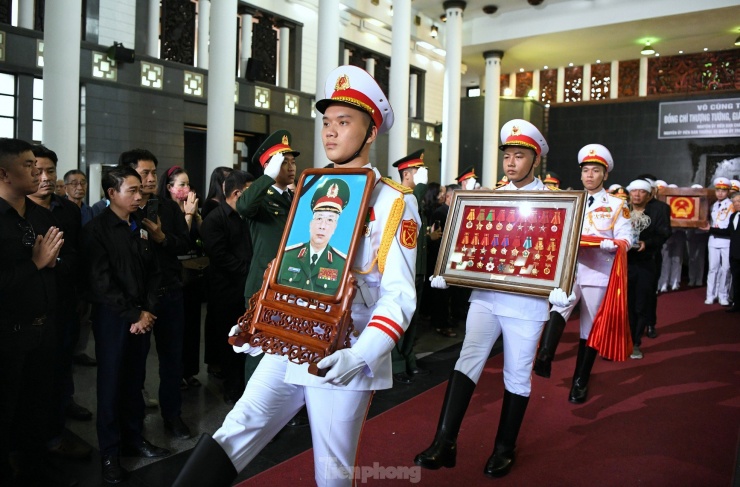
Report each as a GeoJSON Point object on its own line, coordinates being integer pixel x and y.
{"type": "Point", "coordinates": [315, 265]}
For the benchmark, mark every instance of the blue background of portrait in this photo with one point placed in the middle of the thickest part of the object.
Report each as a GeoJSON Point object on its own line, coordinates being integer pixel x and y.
{"type": "Point", "coordinates": [299, 232]}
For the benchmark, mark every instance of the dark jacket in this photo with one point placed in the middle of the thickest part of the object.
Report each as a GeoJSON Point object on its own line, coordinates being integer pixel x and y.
{"type": "Point", "coordinates": [121, 267]}
{"type": "Point", "coordinates": [655, 234]}
{"type": "Point", "coordinates": [229, 249]}
{"type": "Point", "coordinates": [26, 293]}
{"type": "Point", "coordinates": [177, 242]}
{"type": "Point", "coordinates": [733, 234]}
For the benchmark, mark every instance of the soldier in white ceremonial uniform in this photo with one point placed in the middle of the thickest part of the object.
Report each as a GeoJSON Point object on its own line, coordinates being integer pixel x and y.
{"type": "Point", "coordinates": [354, 112]}
{"type": "Point", "coordinates": [696, 243]}
{"type": "Point", "coordinates": [519, 318]}
{"type": "Point", "coordinates": [606, 216]}
{"type": "Point", "coordinates": [718, 277]}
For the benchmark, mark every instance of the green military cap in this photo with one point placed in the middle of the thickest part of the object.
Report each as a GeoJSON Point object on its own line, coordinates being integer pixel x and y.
{"type": "Point", "coordinates": [467, 173]}
{"type": "Point", "coordinates": [277, 142]}
{"type": "Point", "coordinates": [332, 195]}
{"type": "Point", "coordinates": [415, 159]}
{"type": "Point", "coordinates": [551, 177]}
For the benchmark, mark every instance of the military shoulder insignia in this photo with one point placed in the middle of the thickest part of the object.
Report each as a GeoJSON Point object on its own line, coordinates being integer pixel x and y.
{"type": "Point", "coordinates": [409, 233]}
{"type": "Point", "coordinates": [270, 192]}
{"type": "Point", "coordinates": [294, 246]}
{"type": "Point", "coordinates": [340, 254]}
{"type": "Point", "coordinates": [397, 186]}
{"type": "Point", "coordinates": [625, 212]}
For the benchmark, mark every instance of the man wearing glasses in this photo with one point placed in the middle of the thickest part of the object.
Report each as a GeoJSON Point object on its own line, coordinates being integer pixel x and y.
{"type": "Point", "coordinates": [75, 185]}
{"type": "Point", "coordinates": [29, 249]}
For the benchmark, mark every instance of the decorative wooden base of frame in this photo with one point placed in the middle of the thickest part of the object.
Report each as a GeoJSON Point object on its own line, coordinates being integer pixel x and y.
{"type": "Point", "coordinates": [303, 329]}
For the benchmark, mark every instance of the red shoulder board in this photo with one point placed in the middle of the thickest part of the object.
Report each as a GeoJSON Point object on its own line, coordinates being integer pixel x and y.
{"type": "Point", "coordinates": [409, 233]}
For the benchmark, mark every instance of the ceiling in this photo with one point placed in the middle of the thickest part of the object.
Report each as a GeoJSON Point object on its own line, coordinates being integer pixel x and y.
{"type": "Point", "coordinates": [559, 32]}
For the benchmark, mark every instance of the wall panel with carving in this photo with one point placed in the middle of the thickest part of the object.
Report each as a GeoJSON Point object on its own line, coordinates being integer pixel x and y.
{"type": "Point", "coordinates": [600, 81]}
{"type": "Point", "coordinates": [523, 84]}
{"type": "Point", "coordinates": [629, 78]}
{"type": "Point", "coordinates": [573, 84]}
{"type": "Point", "coordinates": [264, 48]}
{"type": "Point", "coordinates": [548, 86]}
{"type": "Point", "coordinates": [178, 32]}
{"type": "Point", "coordinates": [706, 71]}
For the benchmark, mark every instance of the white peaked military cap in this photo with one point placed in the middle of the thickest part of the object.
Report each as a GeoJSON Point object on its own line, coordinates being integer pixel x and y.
{"type": "Point", "coordinates": [355, 87]}
{"type": "Point", "coordinates": [598, 154]}
{"type": "Point", "coordinates": [721, 183]}
{"type": "Point", "coordinates": [521, 133]}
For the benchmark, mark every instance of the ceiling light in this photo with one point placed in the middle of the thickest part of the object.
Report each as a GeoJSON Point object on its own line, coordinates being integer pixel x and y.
{"type": "Point", "coordinates": [433, 33]}
{"type": "Point", "coordinates": [443, 17]}
{"type": "Point", "coordinates": [737, 41]}
{"type": "Point", "coordinates": [647, 50]}
{"type": "Point", "coordinates": [680, 52]}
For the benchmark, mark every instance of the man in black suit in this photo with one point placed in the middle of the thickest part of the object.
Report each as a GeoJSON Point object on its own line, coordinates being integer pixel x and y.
{"type": "Point", "coordinates": [733, 233]}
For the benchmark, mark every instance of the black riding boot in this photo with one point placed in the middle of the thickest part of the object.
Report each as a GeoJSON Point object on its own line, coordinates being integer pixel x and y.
{"type": "Point", "coordinates": [584, 364]}
{"type": "Point", "coordinates": [548, 343]}
{"type": "Point", "coordinates": [443, 451]}
{"type": "Point", "coordinates": [208, 466]}
{"type": "Point", "coordinates": [512, 414]}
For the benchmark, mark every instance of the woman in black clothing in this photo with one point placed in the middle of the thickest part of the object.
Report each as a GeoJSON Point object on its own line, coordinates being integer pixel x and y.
{"type": "Point", "coordinates": [215, 189]}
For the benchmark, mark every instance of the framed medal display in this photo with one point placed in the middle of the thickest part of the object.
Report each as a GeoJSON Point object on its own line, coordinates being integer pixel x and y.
{"type": "Point", "coordinates": [522, 242]}
{"type": "Point", "coordinates": [303, 309]}
{"type": "Point", "coordinates": [689, 206]}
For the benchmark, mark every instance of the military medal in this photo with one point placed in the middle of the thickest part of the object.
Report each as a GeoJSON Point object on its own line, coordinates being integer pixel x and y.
{"type": "Point", "coordinates": [539, 245]}
{"type": "Point", "coordinates": [549, 256]}
{"type": "Point", "coordinates": [552, 246]}
{"type": "Point", "coordinates": [499, 226]}
{"type": "Point", "coordinates": [470, 218]}
{"type": "Point", "coordinates": [489, 219]}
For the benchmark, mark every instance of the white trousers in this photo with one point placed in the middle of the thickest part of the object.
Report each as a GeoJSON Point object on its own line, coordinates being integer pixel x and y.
{"type": "Point", "coordinates": [718, 277]}
{"type": "Point", "coordinates": [482, 329]}
{"type": "Point", "coordinates": [590, 298]}
{"type": "Point", "coordinates": [336, 417]}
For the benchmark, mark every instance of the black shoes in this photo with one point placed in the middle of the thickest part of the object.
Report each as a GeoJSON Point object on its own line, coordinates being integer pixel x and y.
{"type": "Point", "coordinates": [403, 378]}
{"type": "Point", "coordinates": [177, 428]}
{"type": "Point", "coordinates": [75, 411]}
{"type": "Point", "coordinates": [418, 371]}
{"type": "Point", "coordinates": [442, 453]}
{"type": "Point", "coordinates": [144, 449]}
{"type": "Point", "coordinates": [113, 473]}
{"type": "Point", "coordinates": [499, 463]}
{"type": "Point", "coordinates": [579, 392]}
{"type": "Point", "coordinates": [651, 333]}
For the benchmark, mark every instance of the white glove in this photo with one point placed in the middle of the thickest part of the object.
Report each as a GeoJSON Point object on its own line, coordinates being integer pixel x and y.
{"type": "Point", "coordinates": [272, 168]}
{"type": "Point", "coordinates": [470, 183]}
{"type": "Point", "coordinates": [560, 299]}
{"type": "Point", "coordinates": [343, 365]}
{"type": "Point", "coordinates": [421, 176]}
{"type": "Point", "coordinates": [608, 245]}
{"type": "Point", "coordinates": [246, 348]}
{"type": "Point", "coordinates": [438, 282]}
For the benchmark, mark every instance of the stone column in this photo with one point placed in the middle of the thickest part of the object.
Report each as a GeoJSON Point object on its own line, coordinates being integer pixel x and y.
{"type": "Point", "coordinates": [399, 85]}
{"type": "Point", "coordinates": [328, 45]}
{"type": "Point", "coordinates": [221, 78]}
{"type": "Point", "coordinates": [512, 84]}
{"type": "Point", "coordinates": [536, 84]}
{"type": "Point", "coordinates": [586, 83]}
{"type": "Point", "coordinates": [561, 85]}
{"type": "Point", "coordinates": [369, 65]}
{"type": "Point", "coordinates": [284, 56]}
{"type": "Point", "coordinates": [25, 14]}
{"type": "Point", "coordinates": [614, 85]}
{"type": "Point", "coordinates": [152, 43]}
{"type": "Point", "coordinates": [204, 14]}
{"type": "Point", "coordinates": [643, 76]}
{"type": "Point", "coordinates": [491, 122]}
{"type": "Point", "coordinates": [413, 89]}
{"type": "Point", "coordinates": [452, 93]}
{"type": "Point", "coordinates": [61, 122]}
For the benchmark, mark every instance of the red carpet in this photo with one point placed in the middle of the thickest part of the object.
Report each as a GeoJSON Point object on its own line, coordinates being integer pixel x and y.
{"type": "Point", "coordinates": [671, 418]}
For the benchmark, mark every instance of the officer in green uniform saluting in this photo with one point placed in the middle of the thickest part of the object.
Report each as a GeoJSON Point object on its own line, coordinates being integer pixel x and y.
{"type": "Point", "coordinates": [315, 265]}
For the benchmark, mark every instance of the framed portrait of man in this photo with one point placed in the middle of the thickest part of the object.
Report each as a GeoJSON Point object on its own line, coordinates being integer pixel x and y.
{"type": "Point", "coordinates": [322, 231]}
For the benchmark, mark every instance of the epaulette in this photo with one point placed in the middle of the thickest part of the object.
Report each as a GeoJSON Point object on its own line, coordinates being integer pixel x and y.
{"type": "Point", "coordinates": [340, 254]}
{"type": "Point", "coordinates": [294, 246]}
{"type": "Point", "coordinates": [397, 186]}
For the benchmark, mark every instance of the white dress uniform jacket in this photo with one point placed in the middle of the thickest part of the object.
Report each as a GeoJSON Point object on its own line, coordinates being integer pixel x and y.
{"type": "Point", "coordinates": [378, 325]}
{"type": "Point", "coordinates": [721, 211]}
{"type": "Point", "coordinates": [606, 217]}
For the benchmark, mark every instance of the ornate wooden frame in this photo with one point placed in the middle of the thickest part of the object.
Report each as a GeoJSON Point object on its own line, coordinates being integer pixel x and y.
{"type": "Point", "coordinates": [689, 206]}
{"type": "Point", "coordinates": [303, 325]}
{"type": "Point", "coordinates": [547, 222]}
